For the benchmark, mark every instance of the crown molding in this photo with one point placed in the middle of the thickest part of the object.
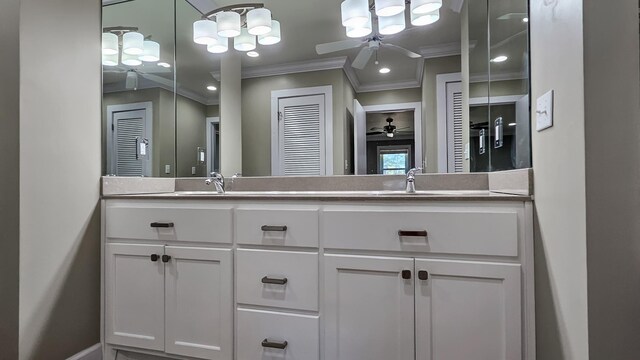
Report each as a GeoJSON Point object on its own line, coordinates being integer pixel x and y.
{"type": "Point", "coordinates": [144, 84]}
{"type": "Point", "coordinates": [294, 67]}
{"type": "Point", "coordinates": [442, 50]}
{"type": "Point", "coordinates": [352, 76]}
{"type": "Point", "coordinates": [409, 84]}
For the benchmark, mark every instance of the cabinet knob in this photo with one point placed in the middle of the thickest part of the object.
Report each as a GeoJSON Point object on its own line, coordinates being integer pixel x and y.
{"type": "Point", "coordinates": [423, 275]}
{"type": "Point", "coordinates": [274, 344]}
{"type": "Point", "coordinates": [406, 274]}
{"type": "Point", "coordinates": [154, 257]}
{"type": "Point", "coordinates": [268, 280]}
{"type": "Point", "coordinates": [166, 258]}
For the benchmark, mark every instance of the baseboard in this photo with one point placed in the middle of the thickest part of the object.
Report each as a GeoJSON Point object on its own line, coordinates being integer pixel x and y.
{"type": "Point", "coordinates": [92, 353]}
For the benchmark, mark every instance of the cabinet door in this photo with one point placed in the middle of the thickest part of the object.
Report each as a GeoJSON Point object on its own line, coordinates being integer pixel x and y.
{"type": "Point", "coordinates": [134, 313]}
{"type": "Point", "coordinates": [369, 308]}
{"type": "Point", "coordinates": [199, 308]}
{"type": "Point", "coordinates": [468, 310]}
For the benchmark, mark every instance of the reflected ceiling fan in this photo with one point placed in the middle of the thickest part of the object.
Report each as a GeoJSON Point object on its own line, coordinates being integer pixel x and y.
{"type": "Point", "coordinates": [390, 130]}
{"type": "Point", "coordinates": [131, 82]}
{"type": "Point", "coordinates": [369, 46]}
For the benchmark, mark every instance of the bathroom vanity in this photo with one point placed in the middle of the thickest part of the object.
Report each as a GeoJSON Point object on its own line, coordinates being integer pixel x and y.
{"type": "Point", "coordinates": [318, 275]}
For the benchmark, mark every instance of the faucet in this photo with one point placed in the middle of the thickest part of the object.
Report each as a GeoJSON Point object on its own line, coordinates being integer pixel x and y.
{"type": "Point", "coordinates": [411, 179]}
{"type": "Point", "coordinates": [218, 180]}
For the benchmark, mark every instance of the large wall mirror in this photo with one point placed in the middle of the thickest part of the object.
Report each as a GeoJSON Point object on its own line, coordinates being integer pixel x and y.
{"type": "Point", "coordinates": [314, 87]}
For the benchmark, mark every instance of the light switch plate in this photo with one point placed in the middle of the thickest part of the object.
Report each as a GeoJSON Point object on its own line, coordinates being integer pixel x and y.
{"type": "Point", "coordinates": [193, 170]}
{"type": "Point", "coordinates": [544, 111]}
{"type": "Point", "coordinates": [167, 169]}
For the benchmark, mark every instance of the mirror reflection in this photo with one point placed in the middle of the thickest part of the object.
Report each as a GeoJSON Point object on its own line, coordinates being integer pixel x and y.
{"type": "Point", "coordinates": [314, 87]}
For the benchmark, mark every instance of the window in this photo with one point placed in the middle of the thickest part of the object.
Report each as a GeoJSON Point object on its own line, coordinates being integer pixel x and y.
{"type": "Point", "coordinates": [394, 160]}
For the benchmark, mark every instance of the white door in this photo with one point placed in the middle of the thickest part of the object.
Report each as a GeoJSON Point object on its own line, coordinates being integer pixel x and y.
{"type": "Point", "coordinates": [135, 296]}
{"type": "Point", "coordinates": [369, 308]}
{"type": "Point", "coordinates": [199, 321]}
{"type": "Point", "coordinates": [301, 136]}
{"type": "Point", "coordinates": [360, 138]}
{"type": "Point", "coordinates": [455, 139]}
{"type": "Point", "coordinates": [129, 139]}
{"type": "Point", "coordinates": [467, 310]}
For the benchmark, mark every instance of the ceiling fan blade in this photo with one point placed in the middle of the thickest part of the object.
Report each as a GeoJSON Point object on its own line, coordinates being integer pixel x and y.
{"type": "Point", "coordinates": [402, 50]}
{"type": "Point", "coordinates": [157, 79]}
{"type": "Point", "coordinates": [362, 59]}
{"type": "Point", "coordinates": [326, 48]}
{"type": "Point", "coordinates": [375, 133]}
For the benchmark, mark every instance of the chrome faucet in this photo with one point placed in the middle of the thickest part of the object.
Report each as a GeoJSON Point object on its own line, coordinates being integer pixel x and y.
{"type": "Point", "coordinates": [411, 179]}
{"type": "Point", "coordinates": [218, 180]}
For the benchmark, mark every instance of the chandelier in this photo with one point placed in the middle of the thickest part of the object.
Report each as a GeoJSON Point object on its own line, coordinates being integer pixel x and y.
{"type": "Point", "coordinates": [124, 44]}
{"type": "Point", "coordinates": [246, 24]}
{"type": "Point", "coordinates": [357, 18]}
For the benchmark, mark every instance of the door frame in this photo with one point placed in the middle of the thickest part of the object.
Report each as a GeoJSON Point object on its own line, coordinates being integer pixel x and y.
{"type": "Point", "coordinates": [211, 141]}
{"type": "Point", "coordinates": [147, 106]}
{"type": "Point", "coordinates": [276, 95]}
{"type": "Point", "coordinates": [441, 107]}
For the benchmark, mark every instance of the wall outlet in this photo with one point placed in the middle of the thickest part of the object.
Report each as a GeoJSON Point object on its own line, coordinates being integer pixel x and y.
{"type": "Point", "coordinates": [193, 170]}
{"type": "Point", "coordinates": [167, 169]}
{"type": "Point", "coordinates": [544, 111]}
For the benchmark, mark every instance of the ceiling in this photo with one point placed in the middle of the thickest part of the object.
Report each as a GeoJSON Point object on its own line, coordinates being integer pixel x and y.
{"type": "Point", "coordinates": [306, 23]}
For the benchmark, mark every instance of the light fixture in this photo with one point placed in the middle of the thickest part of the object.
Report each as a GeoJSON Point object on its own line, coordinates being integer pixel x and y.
{"type": "Point", "coordinates": [425, 6]}
{"type": "Point", "coordinates": [499, 59]}
{"type": "Point", "coordinates": [389, 25]}
{"type": "Point", "coordinates": [131, 81]}
{"type": "Point", "coordinates": [131, 60]}
{"type": "Point", "coordinates": [259, 21]}
{"type": "Point", "coordinates": [525, 20]}
{"type": "Point", "coordinates": [272, 37]}
{"type": "Point", "coordinates": [220, 46]}
{"type": "Point", "coordinates": [132, 43]}
{"type": "Point", "coordinates": [384, 70]}
{"type": "Point", "coordinates": [362, 30]}
{"type": "Point", "coordinates": [385, 8]}
{"type": "Point", "coordinates": [253, 54]}
{"type": "Point", "coordinates": [109, 43]}
{"type": "Point", "coordinates": [355, 12]}
{"type": "Point", "coordinates": [205, 32]}
{"type": "Point", "coordinates": [151, 51]}
{"type": "Point", "coordinates": [164, 65]}
{"type": "Point", "coordinates": [244, 42]}
{"type": "Point", "coordinates": [512, 124]}
{"type": "Point", "coordinates": [228, 24]}
{"type": "Point", "coordinates": [110, 60]}
{"type": "Point", "coordinates": [425, 19]}
{"type": "Point", "coordinates": [212, 88]}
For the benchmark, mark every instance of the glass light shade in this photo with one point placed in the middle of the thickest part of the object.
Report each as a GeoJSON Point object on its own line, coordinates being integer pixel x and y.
{"type": "Point", "coordinates": [131, 60]}
{"type": "Point", "coordinates": [389, 25]}
{"type": "Point", "coordinates": [220, 46]}
{"type": "Point", "coordinates": [272, 37]}
{"type": "Point", "coordinates": [259, 21]}
{"type": "Point", "coordinates": [109, 44]}
{"type": "Point", "coordinates": [151, 51]}
{"type": "Point", "coordinates": [389, 7]}
{"type": "Point", "coordinates": [425, 6]}
{"type": "Point", "coordinates": [244, 42]}
{"type": "Point", "coordinates": [355, 12]}
{"type": "Point", "coordinates": [110, 60]}
{"type": "Point", "coordinates": [425, 19]}
{"type": "Point", "coordinates": [228, 24]}
{"type": "Point", "coordinates": [133, 43]}
{"type": "Point", "coordinates": [360, 31]}
{"type": "Point", "coordinates": [205, 32]}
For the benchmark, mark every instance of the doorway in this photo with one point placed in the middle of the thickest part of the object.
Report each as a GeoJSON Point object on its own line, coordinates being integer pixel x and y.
{"type": "Point", "coordinates": [213, 144]}
{"type": "Point", "coordinates": [129, 139]}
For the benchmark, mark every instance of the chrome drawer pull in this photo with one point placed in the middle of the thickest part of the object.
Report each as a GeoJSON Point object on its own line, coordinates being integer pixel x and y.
{"type": "Point", "coordinates": [274, 227]}
{"type": "Point", "coordinates": [418, 233]}
{"type": "Point", "coordinates": [161, 224]}
{"type": "Point", "coordinates": [268, 280]}
{"type": "Point", "coordinates": [274, 344]}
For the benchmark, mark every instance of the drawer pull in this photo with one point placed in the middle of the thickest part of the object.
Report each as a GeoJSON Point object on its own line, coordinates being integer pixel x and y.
{"type": "Point", "coordinates": [268, 280]}
{"type": "Point", "coordinates": [423, 275]}
{"type": "Point", "coordinates": [274, 344]}
{"type": "Point", "coordinates": [154, 257]}
{"type": "Point", "coordinates": [418, 233]}
{"type": "Point", "coordinates": [274, 228]}
{"type": "Point", "coordinates": [161, 224]}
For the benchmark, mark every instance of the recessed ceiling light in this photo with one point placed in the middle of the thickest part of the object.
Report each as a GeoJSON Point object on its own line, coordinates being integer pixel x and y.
{"type": "Point", "coordinates": [499, 59]}
{"type": "Point", "coordinates": [212, 88]}
{"type": "Point", "coordinates": [253, 54]}
{"type": "Point", "coordinates": [512, 124]}
{"type": "Point", "coordinates": [525, 20]}
{"type": "Point", "coordinates": [384, 70]}
{"type": "Point", "coordinates": [164, 65]}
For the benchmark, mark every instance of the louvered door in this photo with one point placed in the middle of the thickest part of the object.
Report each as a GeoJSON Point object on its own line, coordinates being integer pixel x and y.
{"type": "Point", "coordinates": [128, 127]}
{"type": "Point", "coordinates": [455, 139]}
{"type": "Point", "coordinates": [301, 138]}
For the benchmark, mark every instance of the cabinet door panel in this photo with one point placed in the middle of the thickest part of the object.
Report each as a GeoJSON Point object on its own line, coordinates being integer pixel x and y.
{"type": "Point", "coordinates": [134, 296]}
{"type": "Point", "coordinates": [199, 309]}
{"type": "Point", "coordinates": [468, 310]}
{"type": "Point", "coordinates": [369, 308]}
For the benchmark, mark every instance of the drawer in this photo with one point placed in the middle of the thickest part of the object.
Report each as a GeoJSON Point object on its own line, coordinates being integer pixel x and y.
{"type": "Point", "coordinates": [252, 226]}
{"type": "Point", "coordinates": [301, 333]}
{"type": "Point", "coordinates": [187, 221]}
{"type": "Point", "coordinates": [261, 274]}
{"type": "Point", "coordinates": [450, 230]}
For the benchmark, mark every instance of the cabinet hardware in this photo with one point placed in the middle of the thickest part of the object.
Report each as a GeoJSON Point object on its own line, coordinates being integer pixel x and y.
{"type": "Point", "coordinates": [406, 274]}
{"type": "Point", "coordinates": [274, 228]}
{"type": "Point", "coordinates": [166, 258]}
{"type": "Point", "coordinates": [418, 233]}
{"type": "Point", "coordinates": [423, 275]}
{"type": "Point", "coordinates": [268, 280]}
{"type": "Point", "coordinates": [154, 257]}
{"type": "Point", "coordinates": [161, 224]}
{"type": "Point", "coordinates": [274, 344]}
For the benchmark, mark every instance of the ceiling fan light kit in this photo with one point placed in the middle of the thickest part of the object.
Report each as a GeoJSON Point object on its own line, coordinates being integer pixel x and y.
{"type": "Point", "coordinates": [136, 48]}
{"type": "Point", "coordinates": [389, 25]}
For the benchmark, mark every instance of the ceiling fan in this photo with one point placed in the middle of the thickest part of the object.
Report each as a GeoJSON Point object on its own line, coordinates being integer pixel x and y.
{"type": "Point", "coordinates": [390, 130]}
{"type": "Point", "coordinates": [131, 82]}
{"type": "Point", "coordinates": [369, 46]}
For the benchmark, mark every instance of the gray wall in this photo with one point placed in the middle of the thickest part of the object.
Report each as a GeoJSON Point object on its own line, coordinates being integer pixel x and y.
{"type": "Point", "coordinates": [10, 176]}
{"type": "Point", "coordinates": [191, 134]}
{"type": "Point", "coordinates": [59, 177]}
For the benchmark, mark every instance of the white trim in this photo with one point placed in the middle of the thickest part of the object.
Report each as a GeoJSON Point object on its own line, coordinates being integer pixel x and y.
{"type": "Point", "coordinates": [517, 75]}
{"type": "Point", "coordinates": [441, 107]}
{"type": "Point", "coordinates": [495, 100]}
{"type": "Point", "coordinates": [289, 68]}
{"type": "Point", "coordinates": [409, 84]}
{"type": "Point", "coordinates": [327, 91]}
{"type": "Point", "coordinates": [147, 106]}
{"type": "Point", "coordinates": [416, 107]}
{"type": "Point", "coordinates": [91, 353]}
{"type": "Point", "coordinates": [442, 50]}
{"type": "Point", "coordinates": [210, 141]}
